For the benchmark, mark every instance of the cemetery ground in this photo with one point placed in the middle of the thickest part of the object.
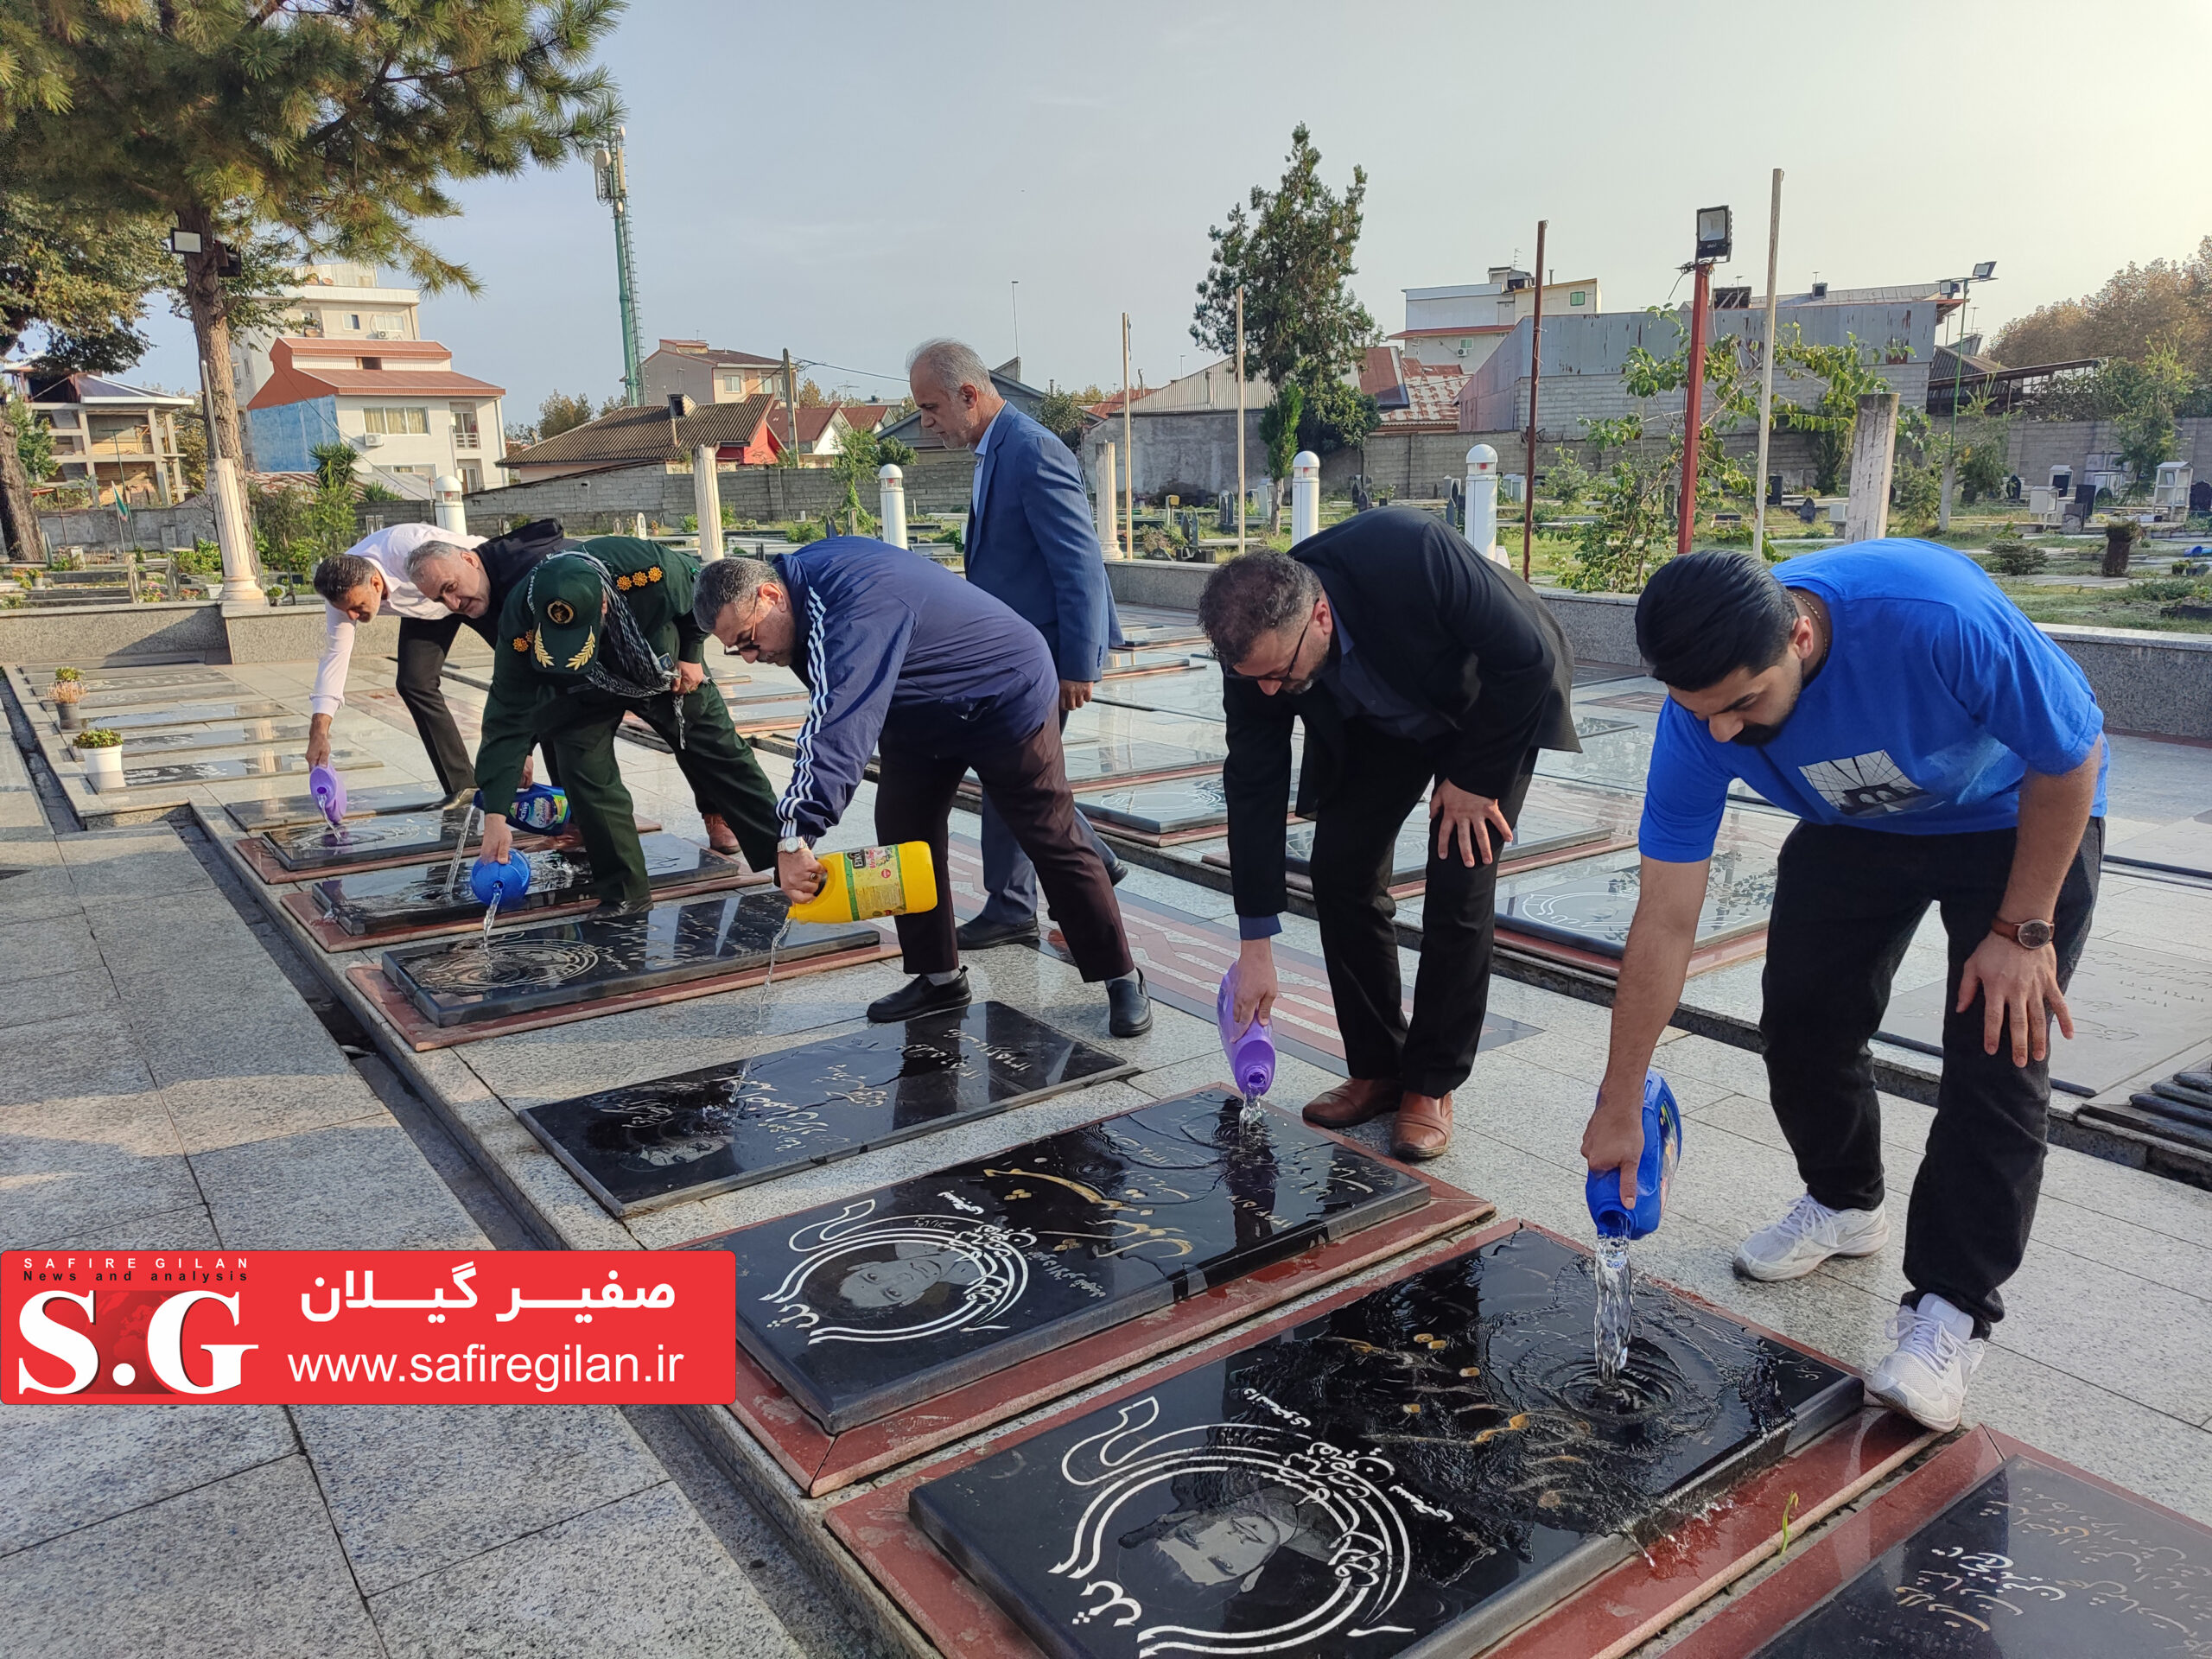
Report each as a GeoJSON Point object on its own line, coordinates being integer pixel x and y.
{"type": "Point", "coordinates": [182, 1065]}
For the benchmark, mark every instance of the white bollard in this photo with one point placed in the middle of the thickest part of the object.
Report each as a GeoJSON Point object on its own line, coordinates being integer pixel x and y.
{"type": "Point", "coordinates": [891, 490]}
{"type": "Point", "coordinates": [239, 587]}
{"type": "Point", "coordinates": [1304, 496]}
{"type": "Point", "coordinates": [707, 502]}
{"type": "Point", "coordinates": [1109, 501]}
{"type": "Point", "coordinates": [445, 496]}
{"type": "Point", "coordinates": [1482, 502]}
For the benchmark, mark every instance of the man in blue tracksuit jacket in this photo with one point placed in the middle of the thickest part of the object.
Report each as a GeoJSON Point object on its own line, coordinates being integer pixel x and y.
{"type": "Point", "coordinates": [903, 659]}
{"type": "Point", "coordinates": [1030, 544]}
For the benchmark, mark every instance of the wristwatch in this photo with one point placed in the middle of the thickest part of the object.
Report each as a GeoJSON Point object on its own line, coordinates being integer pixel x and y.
{"type": "Point", "coordinates": [791, 844]}
{"type": "Point", "coordinates": [2029, 936]}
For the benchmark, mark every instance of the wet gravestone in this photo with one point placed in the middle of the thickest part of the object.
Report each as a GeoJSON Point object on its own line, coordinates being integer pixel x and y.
{"type": "Point", "coordinates": [1592, 909]}
{"type": "Point", "coordinates": [320, 846]}
{"type": "Point", "coordinates": [1103, 762]}
{"type": "Point", "coordinates": [187, 714]}
{"type": "Point", "coordinates": [1168, 808]}
{"type": "Point", "coordinates": [279, 811]}
{"type": "Point", "coordinates": [2032, 1564]}
{"type": "Point", "coordinates": [268, 764]}
{"type": "Point", "coordinates": [671, 1140]}
{"type": "Point", "coordinates": [160, 682]}
{"type": "Point", "coordinates": [1416, 1471]}
{"type": "Point", "coordinates": [863, 1306]}
{"type": "Point", "coordinates": [594, 958]}
{"type": "Point", "coordinates": [372, 902]}
{"type": "Point", "coordinates": [237, 734]}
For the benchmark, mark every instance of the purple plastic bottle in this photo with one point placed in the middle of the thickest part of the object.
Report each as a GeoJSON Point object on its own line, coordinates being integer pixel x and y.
{"type": "Point", "coordinates": [1250, 1050]}
{"type": "Point", "coordinates": [329, 791]}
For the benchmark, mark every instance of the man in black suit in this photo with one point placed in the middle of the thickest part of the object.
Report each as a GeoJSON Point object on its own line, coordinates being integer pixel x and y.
{"type": "Point", "coordinates": [1412, 661]}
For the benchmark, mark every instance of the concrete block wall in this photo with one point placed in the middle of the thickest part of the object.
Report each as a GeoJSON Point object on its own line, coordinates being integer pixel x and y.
{"type": "Point", "coordinates": [1417, 464]}
{"type": "Point", "coordinates": [2038, 446]}
{"type": "Point", "coordinates": [150, 527]}
{"type": "Point", "coordinates": [939, 481]}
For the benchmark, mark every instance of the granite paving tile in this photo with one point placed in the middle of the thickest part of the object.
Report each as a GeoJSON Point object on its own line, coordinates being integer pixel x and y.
{"type": "Point", "coordinates": [113, 1458]}
{"type": "Point", "coordinates": [356, 1186]}
{"type": "Point", "coordinates": [68, 1163]}
{"type": "Point", "coordinates": [414, 1489]}
{"type": "Point", "coordinates": [83, 994]}
{"type": "Point", "coordinates": [213, 1112]}
{"type": "Point", "coordinates": [37, 950]}
{"type": "Point", "coordinates": [246, 1568]}
{"type": "Point", "coordinates": [2113, 1329]}
{"type": "Point", "coordinates": [188, 1229]}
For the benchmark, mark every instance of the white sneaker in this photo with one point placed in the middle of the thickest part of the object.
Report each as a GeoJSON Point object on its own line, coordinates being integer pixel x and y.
{"type": "Point", "coordinates": [1807, 1235]}
{"type": "Point", "coordinates": [1925, 1377]}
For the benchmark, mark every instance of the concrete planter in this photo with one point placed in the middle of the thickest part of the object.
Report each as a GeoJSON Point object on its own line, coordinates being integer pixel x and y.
{"type": "Point", "coordinates": [103, 767]}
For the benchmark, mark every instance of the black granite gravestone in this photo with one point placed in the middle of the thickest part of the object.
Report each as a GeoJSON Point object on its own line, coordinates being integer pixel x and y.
{"type": "Point", "coordinates": [236, 735]}
{"type": "Point", "coordinates": [861, 1307]}
{"type": "Point", "coordinates": [2032, 1564]}
{"type": "Point", "coordinates": [1103, 762]}
{"type": "Point", "coordinates": [1536, 834]}
{"type": "Point", "coordinates": [267, 764]}
{"type": "Point", "coordinates": [1161, 808]}
{"type": "Point", "coordinates": [361, 840]}
{"type": "Point", "coordinates": [688, 1136]}
{"type": "Point", "coordinates": [372, 902]}
{"type": "Point", "coordinates": [1415, 1472]}
{"type": "Point", "coordinates": [279, 811]}
{"type": "Point", "coordinates": [593, 958]}
{"type": "Point", "coordinates": [1592, 909]}
{"type": "Point", "coordinates": [185, 714]}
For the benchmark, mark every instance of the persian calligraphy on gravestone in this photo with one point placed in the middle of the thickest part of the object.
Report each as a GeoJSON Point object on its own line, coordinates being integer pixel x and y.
{"type": "Point", "coordinates": [1592, 909]}
{"type": "Point", "coordinates": [1165, 808]}
{"type": "Point", "coordinates": [268, 764]}
{"type": "Point", "coordinates": [276, 812]}
{"type": "Point", "coordinates": [1416, 1471]}
{"type": "Point", "coordinates": [674, 1139]}
{"type": "Point", "coordinates": [2032, 1564]}
{"type": "Point", "coordinates": [371, 902]}
{"type": "Point", "coordinates": [863, 1306]}
{"type": "Point", "coordinates": [594, 957]}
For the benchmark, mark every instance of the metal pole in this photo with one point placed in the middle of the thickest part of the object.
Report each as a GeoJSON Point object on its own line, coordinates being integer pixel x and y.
{"type": "Point", "coordinates": [1128, 447]}
{"type": "Point", "coordinates": [1240, 419]}
{"type": "Point", "coordinates": [1013, 291]}
{"type": "Point", "coordinates": [1535, 378]}
{"type": "Point", "coordinates": [626, 276]}
{"type": "Point", "coordinates": [1766, 373]}
{"type": "Point", "coordinates": [1694, 408]}
{"type": "Point", "coordinates": [790, 405]}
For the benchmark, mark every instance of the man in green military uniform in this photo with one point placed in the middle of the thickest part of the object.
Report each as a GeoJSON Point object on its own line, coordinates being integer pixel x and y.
{"type": "Point", "coordinates": [595, 632]}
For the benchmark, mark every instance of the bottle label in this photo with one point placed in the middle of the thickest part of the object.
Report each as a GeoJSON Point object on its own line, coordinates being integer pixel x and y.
{"type": "Point", "coordinates": [874, 885]}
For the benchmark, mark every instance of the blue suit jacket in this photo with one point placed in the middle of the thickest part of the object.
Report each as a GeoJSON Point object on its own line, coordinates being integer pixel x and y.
{"type": "Point", "coordinates": [1033, 546]}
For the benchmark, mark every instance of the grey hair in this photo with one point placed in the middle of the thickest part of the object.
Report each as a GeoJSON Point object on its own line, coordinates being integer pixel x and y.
{"type": "Point", "coordinates": [432, 547]}
{"type": "Point", "coordinates": [723, 583]}
{"type": "Point", "coordinates": [1258, 593]}
{"type": "Point", "coordinates": [951, 363]}
{"type": "Point", "coordinates": [340, 573]}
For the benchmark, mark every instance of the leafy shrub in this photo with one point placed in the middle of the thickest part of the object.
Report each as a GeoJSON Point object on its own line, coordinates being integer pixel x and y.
{"type": "Point", "coordinates": [2170, 591]}
{"type": "Point", "coordinates": [67, 676]}
{"type": "Point", "coordinates": [2009, 557]}
{"type": "Point", "coordinates": [100, 737]}
{"type": "Point", "coordinates": [805, 530]}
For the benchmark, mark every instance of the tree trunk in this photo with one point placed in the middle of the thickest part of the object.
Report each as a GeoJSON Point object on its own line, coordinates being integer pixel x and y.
{"type": "Point", "coordinates": [204, 299]}
{"type": "Point", "coordinates": [18, 514]}
{"type": "Point", "coordinates": [2119, 542]}
{"type": "Point", "coordinates": [1950, 481]}
{"type": "Point", "coordinates": [1275, 506]}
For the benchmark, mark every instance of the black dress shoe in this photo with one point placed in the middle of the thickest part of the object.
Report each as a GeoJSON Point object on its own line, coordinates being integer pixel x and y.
{"type": "Point", "coordinates": [918, 996]}
{"type": "Point", "coordinates": [1129, 1006]}
{"type": "Point", "coordinates": [1115, 871]}
{"type": "Point", "coordinates": [980, 935]}
{"type": "Point", "coordinates": [612, 910]}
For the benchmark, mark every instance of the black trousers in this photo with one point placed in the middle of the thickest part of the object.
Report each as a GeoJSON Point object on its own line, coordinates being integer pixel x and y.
{"type": "Point", "coordinates": [422, 649]}
{"type": "Point", "coordinates": [1028, 782]}
{"type": "Point", "coordinates": [1846, 904]}
{"type": "Point", "coordinates": [1353, 840]}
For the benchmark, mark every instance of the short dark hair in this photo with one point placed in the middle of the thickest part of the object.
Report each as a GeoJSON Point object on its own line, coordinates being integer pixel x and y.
{"type": "Point", "coordinates": [340, 573]}
{"type": "Point", "coordinates": [1248, 597]}
{"type": "Point", "coordinates": [723, 583]}
{"type": "Point", "coordinates": [1705, 615]}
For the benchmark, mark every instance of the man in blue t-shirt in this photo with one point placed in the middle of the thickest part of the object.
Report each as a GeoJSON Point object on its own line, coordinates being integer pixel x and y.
{"type": "Point", "coordinates": [1940, 750]}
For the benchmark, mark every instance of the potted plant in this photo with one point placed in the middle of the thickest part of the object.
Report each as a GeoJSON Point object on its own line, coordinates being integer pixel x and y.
{"type": "Point", "coordinates": [102, 749]}
{"type": "Point", "coordinates": [68, 692]}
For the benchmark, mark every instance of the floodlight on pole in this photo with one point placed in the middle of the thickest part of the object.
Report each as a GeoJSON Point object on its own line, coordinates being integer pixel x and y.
{"type": "Point", "coordinates": [1985, 271]}
{"type": "Point", "coordinates": [1715, 234]}
{"type": "Point", "coordinates": [611, 184]}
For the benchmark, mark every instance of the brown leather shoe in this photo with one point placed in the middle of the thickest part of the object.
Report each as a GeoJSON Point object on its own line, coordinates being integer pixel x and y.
{"type": "Point", "coordinates": [1354, 1102]}
{"type": "Point", "coordinates": [718, 833]}
{"type": "Point", "coordinates": [1424, 1128]}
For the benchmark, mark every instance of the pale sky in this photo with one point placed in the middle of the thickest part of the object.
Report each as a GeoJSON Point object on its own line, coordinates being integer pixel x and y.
{"type": "Point", "coordinates": [849, 179]}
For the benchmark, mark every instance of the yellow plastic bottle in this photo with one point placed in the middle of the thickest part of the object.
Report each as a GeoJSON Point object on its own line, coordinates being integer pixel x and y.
{"type": "Point", "coordinates": [873, 881]}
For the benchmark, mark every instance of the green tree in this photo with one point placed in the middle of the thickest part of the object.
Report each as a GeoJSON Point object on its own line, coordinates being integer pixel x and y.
{"type": "Point", "coordinates": [1291, 251]}
{"type": "Point", "coordinates": [2166, 302]}
{"type": "Point", "coordinates": [34, 440]}
{"type": "Point", "coordinates": [2142, 397]}
{"type": "Point", "coordinates": [894, 452]}
{"type": "Point", "coordinates": [562, 413]}
{"type": "Point", "coordinates": [1061, 414]}
{"type": "Point", "coordinates": [859, 456]}
{"type": "Point", "coordinates": [1279, 432]}
{"type": "Point", "coordinates": [342, 124]}
{"type": "Point", "coordinates": [1336, 415]}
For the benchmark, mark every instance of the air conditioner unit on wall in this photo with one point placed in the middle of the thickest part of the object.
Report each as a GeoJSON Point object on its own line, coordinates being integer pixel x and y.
{"type": "Point", "coordinates": [371, 440]}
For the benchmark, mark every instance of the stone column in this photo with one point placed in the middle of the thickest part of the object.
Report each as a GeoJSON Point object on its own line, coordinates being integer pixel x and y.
{"type": "Point", "coordinates": [445, 494]}
{"type": "Point", "coordinates": [1482, 502]}
{"type": "Point", "coordinates": [1873, 451]}
{"type": "Point", "coordinates": [1110, 536]}
{"type": "Point", "coordinates": [891, 488]}
{"type": "Point", "coordinates": [1304, 496]}
{"type": "Point", "coordinates": [707, 502]}
{"type": "Point", "coordinates": [239, 586]}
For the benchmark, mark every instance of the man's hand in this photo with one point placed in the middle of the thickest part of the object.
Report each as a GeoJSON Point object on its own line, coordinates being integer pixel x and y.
{"type": "Point", "coordinates": [2019, 988]}
{"type": "Point", "coordinates": [689, 678]}
{"type": "Point", "coordinates": [498, 839]}
{"type": "Point", "coordinates": [1074, 694]}
{"type": "Point", "coordinates": [319, 740]}
{"type": "Point", "coordinates": [1257, 986]}
{"type": "Point", "coordinates": [1456, 815]}
{"type": "Point", "coordinates": [1614, 1137]}
{"type": "Point", "coordinates": [798, 873]}
{"type": "Point", "coordinates": [529, 769]}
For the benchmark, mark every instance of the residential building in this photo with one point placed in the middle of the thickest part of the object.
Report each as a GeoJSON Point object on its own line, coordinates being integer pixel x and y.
{"type": "Point", "coordinates": [331, 302]}
{"type": "Point", "coordinates": [119, 438]}
{"type": "Point", "coordinates": [743, 433]}
{"type": "Point", "coordinates": [1458, 326]}
{"type": "Point", "coordinates": [708, 374]}
{"type": "Point", "coordinates": [869, 418]}
{"type": "Point", "coordinates": [399, 403]}
{"type": "Point", "coordinates": [1183, 435]}
{"type": "Point", "coordinates": [822, 432]}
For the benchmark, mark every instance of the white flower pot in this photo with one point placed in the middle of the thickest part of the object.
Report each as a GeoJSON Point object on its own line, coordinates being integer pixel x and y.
{"type": "Point", "coordinates": [103, 767]}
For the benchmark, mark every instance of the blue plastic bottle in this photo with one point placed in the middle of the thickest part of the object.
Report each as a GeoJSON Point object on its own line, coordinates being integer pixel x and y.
{"type": "Point", "coordinates": [1654, 1173]}
{"type": "Point", "coordinates": [499, 883]}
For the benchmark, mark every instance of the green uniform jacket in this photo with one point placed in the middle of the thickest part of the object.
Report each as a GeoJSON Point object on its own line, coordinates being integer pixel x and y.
{"type": "Point", "coordinates": [654, 581]}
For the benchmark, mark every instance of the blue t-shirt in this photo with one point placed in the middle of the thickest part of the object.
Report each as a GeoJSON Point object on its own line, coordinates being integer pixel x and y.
{"type": "Point", "coordinates": [1937, 696]}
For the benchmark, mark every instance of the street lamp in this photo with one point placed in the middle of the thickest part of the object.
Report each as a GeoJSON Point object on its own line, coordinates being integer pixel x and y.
{"type": "Point", "coordinates": [1715, 233]}
{"type": "Point", "coordinates": [1715, 238]}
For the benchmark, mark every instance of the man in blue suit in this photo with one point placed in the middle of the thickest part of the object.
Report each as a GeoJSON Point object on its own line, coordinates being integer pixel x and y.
{"type": "Point", "coordinates": [1030, 545]}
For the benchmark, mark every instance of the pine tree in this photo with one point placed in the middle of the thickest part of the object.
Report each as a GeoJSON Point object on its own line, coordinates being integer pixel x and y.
{"type": "Point", "coordinates": [343, 123]}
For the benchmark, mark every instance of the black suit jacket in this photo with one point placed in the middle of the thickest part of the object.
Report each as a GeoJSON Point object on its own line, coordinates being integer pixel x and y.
{"type": "Point", "coordinates": [507, 559]}
{"type": "Point", "coordinates": [1451, 631]}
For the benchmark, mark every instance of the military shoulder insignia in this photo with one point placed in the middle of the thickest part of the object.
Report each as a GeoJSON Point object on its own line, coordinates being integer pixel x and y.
{"type": "Point", "coordinates": [560, 614]}
{"type": "Point", "coordinates": [522, 642]}
{"type": "Point", "coordinates": [652, 573]}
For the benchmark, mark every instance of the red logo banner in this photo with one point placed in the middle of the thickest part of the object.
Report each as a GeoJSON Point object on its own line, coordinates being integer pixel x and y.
{"type": "Point", "coordinates": [368, 1327]}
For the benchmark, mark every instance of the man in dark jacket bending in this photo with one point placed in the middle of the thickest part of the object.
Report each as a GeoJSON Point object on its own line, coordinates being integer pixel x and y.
{"type": "Point", "coordinates": [1412, 661]}
{"type": "Point", "coordinates": [897, 648]}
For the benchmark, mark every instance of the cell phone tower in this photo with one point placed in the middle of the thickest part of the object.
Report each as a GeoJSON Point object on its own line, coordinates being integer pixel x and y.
{"type": "Point", "coordinates": [612, 184]}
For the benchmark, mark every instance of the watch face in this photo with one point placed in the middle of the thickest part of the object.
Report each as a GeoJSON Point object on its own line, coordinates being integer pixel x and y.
{"type": "Point", "coordinates": [2034, 935]}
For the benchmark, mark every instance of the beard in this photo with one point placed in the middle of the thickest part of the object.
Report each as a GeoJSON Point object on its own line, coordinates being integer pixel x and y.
{"type": "Point", "coordinates": [1756, 736]}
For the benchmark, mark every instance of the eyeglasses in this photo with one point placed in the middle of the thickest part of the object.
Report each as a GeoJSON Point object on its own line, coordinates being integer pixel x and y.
{"type": "Point", "coordinates": [1283, 677]}
{"type": "Point", "coordinates": [745, 641]}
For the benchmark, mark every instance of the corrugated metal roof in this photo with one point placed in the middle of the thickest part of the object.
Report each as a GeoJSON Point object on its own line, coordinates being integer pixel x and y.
{"type": "Point", "coordinates": [642, 434]}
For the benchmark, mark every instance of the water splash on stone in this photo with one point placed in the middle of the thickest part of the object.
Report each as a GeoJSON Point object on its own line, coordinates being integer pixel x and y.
{"type": "Point", "coordinates": [1615, 1314]}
